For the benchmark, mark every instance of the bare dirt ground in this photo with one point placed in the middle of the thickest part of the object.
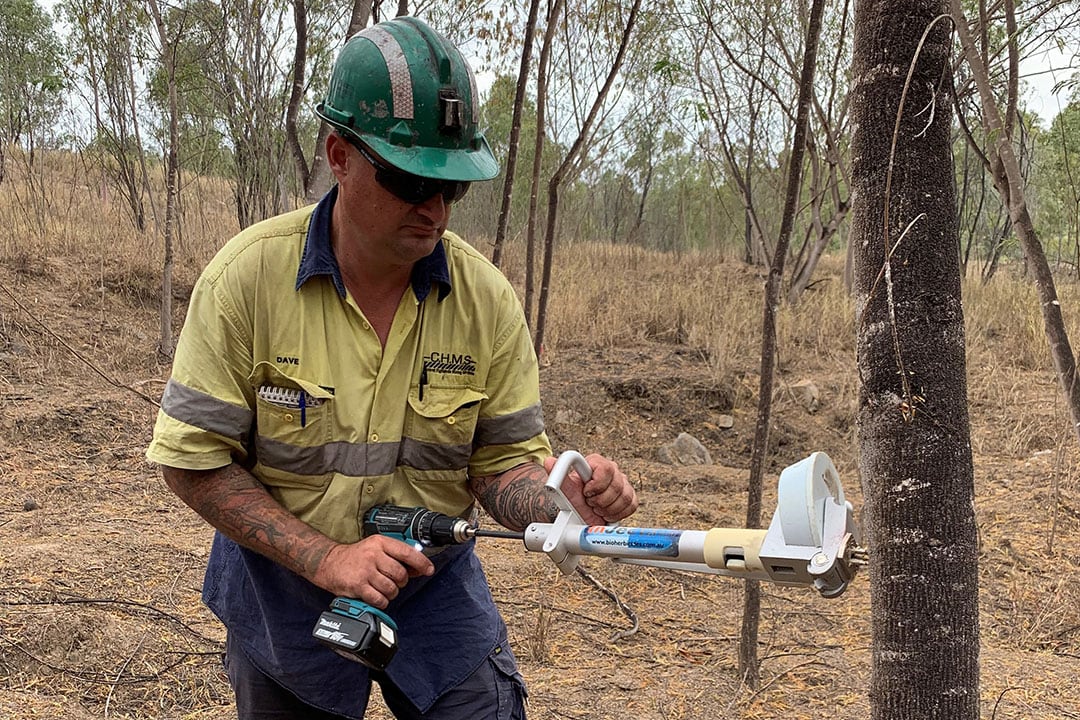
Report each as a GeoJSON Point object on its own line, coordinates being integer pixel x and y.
{"type": "Point", "coordinates": [101, 567]}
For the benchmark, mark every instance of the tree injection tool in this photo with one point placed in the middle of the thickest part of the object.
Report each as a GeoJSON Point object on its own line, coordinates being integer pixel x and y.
{"type": "Point", "coordinates": [812, 541]}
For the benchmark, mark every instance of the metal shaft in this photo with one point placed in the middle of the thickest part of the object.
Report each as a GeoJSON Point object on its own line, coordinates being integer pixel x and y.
{"type": "Point", "coordinates": [505, 534]}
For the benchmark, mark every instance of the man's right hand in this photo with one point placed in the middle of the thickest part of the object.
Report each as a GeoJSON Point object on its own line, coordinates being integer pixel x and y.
{"type": "Point", "coordinates": [238, 505]}
{"type": "Point", "coordinates": [372, 570]}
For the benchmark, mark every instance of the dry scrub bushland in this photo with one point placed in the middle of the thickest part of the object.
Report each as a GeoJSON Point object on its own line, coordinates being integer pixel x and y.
{"type": "Point", "coordinates": [641, 345]}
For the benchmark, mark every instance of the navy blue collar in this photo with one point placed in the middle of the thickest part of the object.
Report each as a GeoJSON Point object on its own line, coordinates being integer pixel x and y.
{"type": "Point", "coordinates": [318, 257]}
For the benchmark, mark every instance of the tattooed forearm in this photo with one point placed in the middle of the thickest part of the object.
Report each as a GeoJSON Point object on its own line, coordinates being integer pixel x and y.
{"type": "Point", "coordinates": [516, 497]}
{"type": "Point", "coordinates": [237, 504]}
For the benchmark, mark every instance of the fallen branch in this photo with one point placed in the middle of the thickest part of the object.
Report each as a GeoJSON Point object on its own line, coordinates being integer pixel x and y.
{"type": "Point", "coordinates": [86, 361]}
{"type": "Point", "coordinates": [626, 609]}
{"type": "Point", "coordinates": [120, 673]}
{"type": "Point", "coordinates": [99, 677]}
{"type": "Point", "coordinates": [129, 606]}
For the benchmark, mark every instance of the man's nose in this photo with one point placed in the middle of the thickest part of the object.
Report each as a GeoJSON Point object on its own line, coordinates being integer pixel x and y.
{"type": "Point", "coordinates": [434, 209]}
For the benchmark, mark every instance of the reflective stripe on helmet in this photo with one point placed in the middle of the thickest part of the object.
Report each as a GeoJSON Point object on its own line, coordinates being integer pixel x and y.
{"type": "Point", "coordinates": [398, 67]}
{"type": "Point", "coordinates": [472, 94]}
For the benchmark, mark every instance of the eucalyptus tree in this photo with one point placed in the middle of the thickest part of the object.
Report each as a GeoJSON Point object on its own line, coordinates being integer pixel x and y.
{"type": "Point", "coordinates": [622, 193]}
{"type": "Point", "coordinates": [256, 69]}
{"type": "Point", "coordinates": [543, 75]}
{"type": "Point", "coordinates": [912, 420]}
{"type": "Point", "coordinates": [690, 208]}
{"type": "Point", "coordinates": [475, 214]}
{"type": "Point", "coordinates": [828, 198]}
{"type": "Point", "coordinates": [985, 230]}
{"type": "Point", "coordinates": [645, 132]}
{"type": "Point", "coordinates": [1058, 179]}
{"type": "Point", "coordinates": [514, 137]}
{"type": "Point", "coordinates": [742, 90]}
{"type": "Point", "coordinates": [1003, 36]}
{"type": "Point", "coordinates": [167, 42]}
{"type": "Point", "coordinates": [107, 42]}
{"type": "Point", "coordinates": [316, 28]}
{"type": "Point", "coordinates": [748, 638]}
{"type": "Point", "coordinates": [31, 78]}
{"type": "Point", "coordinates": [249, 72]}
{"type": "Point", "coordinates": [747, 74]}
{"type": "Point", "coordinates": [202, 144]}
{"type": "Point", "coordinates": [595, 41]}
{"type": "Point", "coordinates": [1008, 177]}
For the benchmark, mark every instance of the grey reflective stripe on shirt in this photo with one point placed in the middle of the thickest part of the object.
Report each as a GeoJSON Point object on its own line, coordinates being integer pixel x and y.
{"type": "Point", "coordinates": [360, 459]}
{"type": "Point", "coordinates": [429, 456]}
{"type": "Point", "coordinates": [509, 429]}
{"type": "Point", "coordinates": [205, 412]}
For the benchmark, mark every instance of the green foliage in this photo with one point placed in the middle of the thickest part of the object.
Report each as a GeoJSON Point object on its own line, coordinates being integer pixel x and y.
{"type": "Point", "coordinates": [31, 79]}
{"type": "Point", "coordinates": [476, 215]}
{"type": "Point", "coordinates": [654, 173]}
{"type": "Point", "coordinates": [1057, 180]}
{"type": "Point", "coordinates": [106, 44]}
{"type": "Point", "coordinates": [206, 140]}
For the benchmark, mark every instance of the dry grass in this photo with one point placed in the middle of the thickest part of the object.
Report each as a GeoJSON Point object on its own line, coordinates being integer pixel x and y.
{"type": "Point", "coordinates": [641, 345]}
{"type": "Point", "coordinates": [61, 210]}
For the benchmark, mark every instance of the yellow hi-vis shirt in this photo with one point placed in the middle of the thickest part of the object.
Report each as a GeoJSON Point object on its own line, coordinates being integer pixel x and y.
{"type": "Point", "coordinates": [277, 369]}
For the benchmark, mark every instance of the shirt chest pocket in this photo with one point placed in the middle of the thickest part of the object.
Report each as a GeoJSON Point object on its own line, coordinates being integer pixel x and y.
{"type": "Point", "coordinates": [290, 409]}
{"type": "Point", "coordinates": [445, 416]}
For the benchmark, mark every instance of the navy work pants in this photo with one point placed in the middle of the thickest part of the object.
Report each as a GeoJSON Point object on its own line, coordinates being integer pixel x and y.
{"type": "Point", "coordinates": [495, 691]}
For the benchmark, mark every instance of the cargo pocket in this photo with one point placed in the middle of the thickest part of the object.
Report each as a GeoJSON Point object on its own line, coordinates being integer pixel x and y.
{"type": "Point", "coordinates": [513, 695]}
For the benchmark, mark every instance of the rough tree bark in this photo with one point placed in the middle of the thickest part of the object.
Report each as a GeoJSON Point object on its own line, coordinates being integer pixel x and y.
{"type": "Point", "coordinates": [912, 419]}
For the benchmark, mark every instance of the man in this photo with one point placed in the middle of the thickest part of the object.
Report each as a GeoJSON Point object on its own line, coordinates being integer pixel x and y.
{"type": "Point", "coordinates": [353, 354]}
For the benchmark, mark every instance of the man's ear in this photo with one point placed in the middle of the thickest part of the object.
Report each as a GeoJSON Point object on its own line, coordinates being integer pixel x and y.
{"type": "Point", "coordinates": [337, 155]}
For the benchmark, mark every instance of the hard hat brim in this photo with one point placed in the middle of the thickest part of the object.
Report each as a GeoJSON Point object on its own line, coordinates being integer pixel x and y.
{"type": "Point", "coordinates": [465, 165]}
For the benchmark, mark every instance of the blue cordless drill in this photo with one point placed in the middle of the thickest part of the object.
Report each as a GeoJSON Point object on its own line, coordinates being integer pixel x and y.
{"type": "Point", "coordinates": [360, 632]}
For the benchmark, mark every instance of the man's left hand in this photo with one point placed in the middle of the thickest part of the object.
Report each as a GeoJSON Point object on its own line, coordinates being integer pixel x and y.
{"type": "Point", "coordinates": [606, 497]}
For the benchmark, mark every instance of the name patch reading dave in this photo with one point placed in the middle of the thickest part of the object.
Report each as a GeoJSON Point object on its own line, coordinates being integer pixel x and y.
{"type": "Point", "coordinates": [638, 541]}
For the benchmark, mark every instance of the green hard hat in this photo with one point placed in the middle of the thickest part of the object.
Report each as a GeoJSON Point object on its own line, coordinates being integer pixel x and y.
{"type": "Point", "coordinates": [407, 93]}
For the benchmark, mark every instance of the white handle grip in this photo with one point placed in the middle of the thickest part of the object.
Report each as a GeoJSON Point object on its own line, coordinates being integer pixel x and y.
{"type": "Point", "coordinates": [553, 486]}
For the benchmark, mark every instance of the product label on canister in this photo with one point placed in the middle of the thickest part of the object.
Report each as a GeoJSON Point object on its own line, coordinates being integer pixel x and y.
{"type": "Point", "coordinates": [631, 542]}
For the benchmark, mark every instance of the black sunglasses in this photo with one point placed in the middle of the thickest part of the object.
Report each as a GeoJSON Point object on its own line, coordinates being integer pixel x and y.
{"type": "Point", "coordinates": [413, 189]}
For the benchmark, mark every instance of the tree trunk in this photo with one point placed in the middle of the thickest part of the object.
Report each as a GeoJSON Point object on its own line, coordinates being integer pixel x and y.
{"type": "Point", "coordinates": [515, 133]}
{"type": "Point", "coordinates": [168, 60]}
{"type": "Point", "coordinates": [912, 420]}
{"type": "Point", "coordinates": [319, 179]}
{"type": "Point", "coordinates": [560, 174]}
{"type": "Point", "coordinates": [1010, 185]}
{"type": "Point", "coordinates": [748, 660]}
{"type": "Point", "coordinates": [296, 95]}
{"type": "Point", "coordinates": [538, 158]}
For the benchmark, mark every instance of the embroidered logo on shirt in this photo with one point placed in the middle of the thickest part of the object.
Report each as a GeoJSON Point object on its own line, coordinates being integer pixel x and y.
{"type": "Point", "coordinates": [450, 363]}
{"type": "Point", "coordinates": [286, 360]}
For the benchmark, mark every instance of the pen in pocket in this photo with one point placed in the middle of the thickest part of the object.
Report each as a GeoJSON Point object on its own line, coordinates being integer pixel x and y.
{"type": "Point", "coordinates": [289, 398]}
